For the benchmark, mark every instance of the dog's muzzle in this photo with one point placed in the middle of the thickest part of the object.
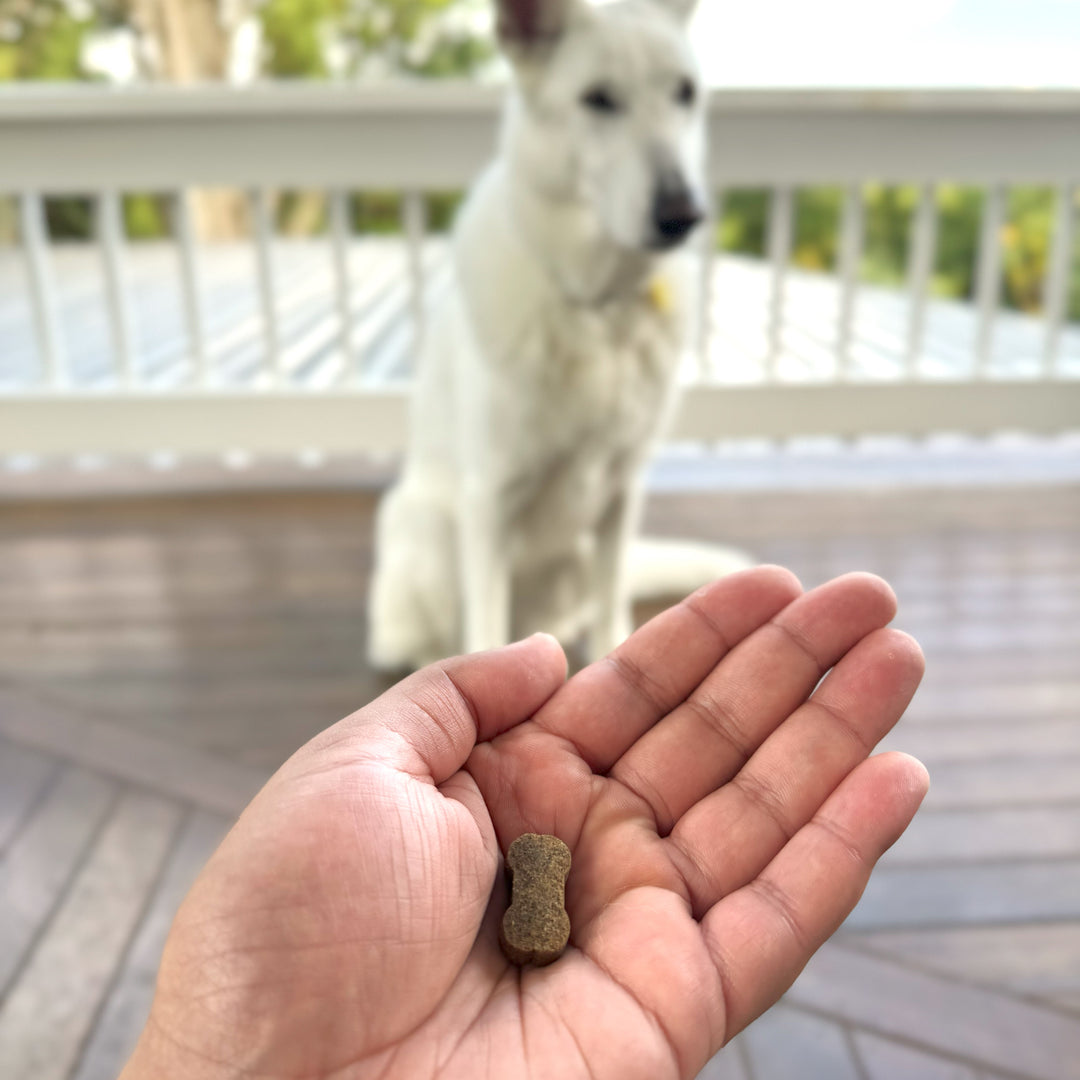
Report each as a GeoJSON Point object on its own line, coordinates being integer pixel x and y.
{"type": "Point", "coordinates": [675, 213]}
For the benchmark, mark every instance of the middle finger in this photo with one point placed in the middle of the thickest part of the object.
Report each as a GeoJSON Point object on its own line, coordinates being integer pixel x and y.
{"type": "Point", "coordinates": [707, 739]}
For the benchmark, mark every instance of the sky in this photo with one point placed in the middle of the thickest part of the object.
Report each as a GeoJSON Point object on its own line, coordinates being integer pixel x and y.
{"type": "Point", "coordinates": [978, 43]}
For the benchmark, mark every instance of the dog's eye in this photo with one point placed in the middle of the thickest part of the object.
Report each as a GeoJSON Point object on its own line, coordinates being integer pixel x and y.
{"type": "Point", "coordinates": [686, 94]}
{"type": "Point", "coordinates": [600, 99]}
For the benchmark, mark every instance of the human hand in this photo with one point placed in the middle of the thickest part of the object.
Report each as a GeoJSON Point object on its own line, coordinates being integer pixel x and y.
{"type": "Point", "coordinates": [718, 803]}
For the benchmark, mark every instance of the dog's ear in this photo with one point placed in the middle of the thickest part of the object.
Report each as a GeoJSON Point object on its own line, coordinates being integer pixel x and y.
{"type": "Point", "coordinates": [681, 9]}
{"type": "Point", "coordinates": [530, 28]}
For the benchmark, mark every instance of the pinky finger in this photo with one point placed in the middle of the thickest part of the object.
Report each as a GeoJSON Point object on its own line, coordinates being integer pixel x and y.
{"type": "Point", "coordinates": [762, 935]}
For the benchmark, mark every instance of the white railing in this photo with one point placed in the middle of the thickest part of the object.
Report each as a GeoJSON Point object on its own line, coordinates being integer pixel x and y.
{"type": "Point", "coordinates": [102, 143]}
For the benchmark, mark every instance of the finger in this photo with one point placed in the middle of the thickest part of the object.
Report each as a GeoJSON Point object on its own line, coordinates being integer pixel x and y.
{"type": "Point", "coordinates": [429, 723]}
{"type": "Point", "coordinates": [762, 935]}
{"type": "Point", "coordinates": [608, 705]}
{"type": "Point", "coordinates": [707, 739]}
{"type": "Point", "coordinates": [782, 786]}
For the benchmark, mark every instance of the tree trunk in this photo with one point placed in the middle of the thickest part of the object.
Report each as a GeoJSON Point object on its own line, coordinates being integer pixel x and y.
{"type": "Point", "coordinates": [188, 41]}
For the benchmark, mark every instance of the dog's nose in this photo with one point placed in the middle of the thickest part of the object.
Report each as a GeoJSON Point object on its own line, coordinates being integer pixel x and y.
{"type": "Point", "coordinates": [675, 213]}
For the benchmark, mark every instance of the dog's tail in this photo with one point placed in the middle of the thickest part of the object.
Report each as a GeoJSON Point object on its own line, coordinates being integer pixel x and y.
{"type": "Point", "coordinates": [659, 568]}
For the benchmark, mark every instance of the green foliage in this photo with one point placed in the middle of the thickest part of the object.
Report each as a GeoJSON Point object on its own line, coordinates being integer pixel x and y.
{"type": "Point", "coordinates": [412, 36]}
{"type": "Point", "coordinates": [294, 34]}
{"type": "Point", "coordinates": [817, 227]}
{"type": "Point", "coordinates": [42, 39]}
{"type": "Point", "coordinates": [1025, 241]}
{"type": "Point", "coordinates": [887, 223]}
{"type": "Point", "coordinates": [145, 217]}
{"type": "Point", "coordinates": [742, 225]}
{"type": "Point", "coordinates": [404, 36]}
{"type": "Point", "coordinates": [69, 219]}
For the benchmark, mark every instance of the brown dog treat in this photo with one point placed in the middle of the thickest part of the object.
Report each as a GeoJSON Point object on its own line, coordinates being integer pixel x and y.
{"type": "Point", "coordinates": [536, 928]}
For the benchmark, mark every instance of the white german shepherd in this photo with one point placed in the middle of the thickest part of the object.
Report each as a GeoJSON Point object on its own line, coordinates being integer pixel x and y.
{"type": "Point", "coordinates": [550, 370]}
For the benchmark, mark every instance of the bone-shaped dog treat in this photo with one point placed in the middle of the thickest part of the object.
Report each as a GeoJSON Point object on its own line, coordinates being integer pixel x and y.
{"type": "Point", "coordinates": [536, 928]}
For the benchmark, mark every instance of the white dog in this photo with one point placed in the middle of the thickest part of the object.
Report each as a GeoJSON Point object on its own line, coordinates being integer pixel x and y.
{"type": "Point", "coordinates": [549, 372]}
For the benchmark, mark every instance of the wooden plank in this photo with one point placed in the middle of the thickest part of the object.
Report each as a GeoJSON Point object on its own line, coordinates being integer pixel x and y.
{"type": "Point", "coordinates": [996, 1032]}
{"type": "Point", "coordinates": [729, 1064]}
{"type": "Point", "coordinates": [49, 1011]}
{"type": "Point", "coordinates": [24, 776]}
{"type": "Point", "coordinates": [1070, 1002]}
{"type": "Point", "coordinates": [990, 833]}
{"type": "Point", "coordinates": [130, 754]}
{"type": "Point", "coordinates": [128, 1004]}
{"type": "Point", "coordinates": [42, 859]}
{"type": "Point", "coordinates": [786, 1043]}
{"type": "Point", "coordinates": [1048, 691]}
{"type": "Point", "coordinates": [884, 1059]}
{"type": "Point", "coordinates": [1005, 782]}
{"type": "Point", "coordinates": [939, 896]}
{"type": "Point", "coordinates": [1035, 959]}
{"type": "Point", "coordinates": [936, 740]}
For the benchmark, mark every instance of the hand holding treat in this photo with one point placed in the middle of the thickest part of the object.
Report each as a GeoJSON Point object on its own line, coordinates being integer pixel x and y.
{"type": "Point", "coordinates": [349, 924]}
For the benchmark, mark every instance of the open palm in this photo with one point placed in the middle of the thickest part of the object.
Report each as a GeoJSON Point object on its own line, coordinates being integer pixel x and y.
{"type": "Point", "coordinates": [715, 793]}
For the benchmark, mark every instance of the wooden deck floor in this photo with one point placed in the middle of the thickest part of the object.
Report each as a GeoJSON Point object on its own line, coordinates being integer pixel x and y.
{"type": "Point", "coordinates": [159, 656]}
{"type": "Point", "coordinates": [381, 333]}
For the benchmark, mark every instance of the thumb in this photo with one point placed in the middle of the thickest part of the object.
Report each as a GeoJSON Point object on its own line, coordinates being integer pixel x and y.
{"type": "Point", "coordinates": [429, 723]}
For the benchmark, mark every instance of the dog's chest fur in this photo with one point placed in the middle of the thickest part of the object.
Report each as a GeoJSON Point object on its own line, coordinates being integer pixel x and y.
{"type": "Point", "coordinates": [580, 395]}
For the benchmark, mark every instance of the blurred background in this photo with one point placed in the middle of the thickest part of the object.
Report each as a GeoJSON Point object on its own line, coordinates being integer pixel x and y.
{"type": "Point", "coordinates": [221, 225]}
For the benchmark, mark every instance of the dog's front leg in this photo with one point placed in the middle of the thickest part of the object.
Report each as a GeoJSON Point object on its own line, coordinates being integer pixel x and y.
{"type": "Point", "coordinates": [613, 621]}
{"type": "Point", "coordinates": [484, 568]}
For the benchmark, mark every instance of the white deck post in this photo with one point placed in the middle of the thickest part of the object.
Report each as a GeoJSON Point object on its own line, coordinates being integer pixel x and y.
{"type": "Point", "coordinates": [922, 249]}
{"type": "Point", "coordinates": [707, 241]}
{"type": "Point", "coordinates": [414, 222]}
{"type": "Point", "coordinates": [781, 228]}
{"type": "Point", "coordinates": [184, 231]}
{"type": "Point", "coordinates": [35, 245]}
{"type": "Point", "coordinates": [110, 231]}
{"type": "Point", "coordinates": [261, 216]}
{"type": "Point", "coordinates": [1056, 302]}
{"type": "Point", "coordinates": [340, 236]}
{"type": "Point", "coordinates": [988, 276]}
{"type": "Point", "coordinates": [852, 227]}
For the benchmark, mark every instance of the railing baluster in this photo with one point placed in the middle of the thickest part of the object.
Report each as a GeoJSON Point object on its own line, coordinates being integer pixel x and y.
{"type": "Point", "coordinates": [922, 249]}
{"type": "Point", "coordinates": [988, 276]}
{"type": "Point", "coordinates": [781, 221]}
{"type": "Point", "coordinates": [184, 230]}
{"type": "Point", "coordinates": [713, 218]}
{"type": "Point", "coordinates": [261, 216]}
{"type": "Point", "coordinates": [414, 220]}
{"type": "Point", "coordinates": [850, 255]}
{"type": "Point", "coordinates": [340, 233]}
{"type": "Point", "coordinates": [1056, 302]}
{"type": "Point", "coordinates": [110, 232]}
{"type": "Point", "coordinates": [35, 245]}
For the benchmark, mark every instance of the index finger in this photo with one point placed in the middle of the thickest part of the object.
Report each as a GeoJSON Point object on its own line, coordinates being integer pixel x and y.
{"type": "Point", "coordinates": [604, 709]}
